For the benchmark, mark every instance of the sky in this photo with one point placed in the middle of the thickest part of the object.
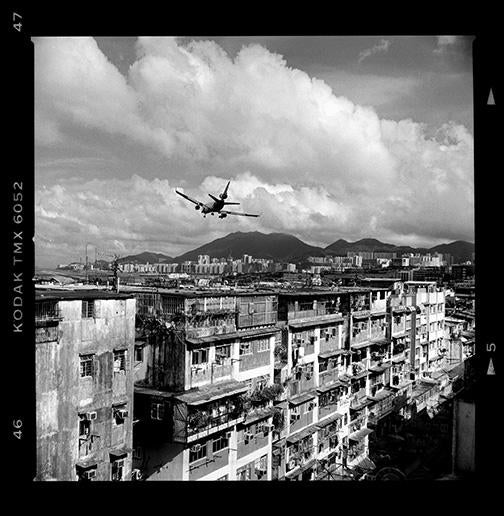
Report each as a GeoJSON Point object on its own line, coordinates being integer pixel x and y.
{"type": "Point", "coordinates": [326, 137]}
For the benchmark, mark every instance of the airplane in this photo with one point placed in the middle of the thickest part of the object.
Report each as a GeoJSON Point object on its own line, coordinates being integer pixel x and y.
{"type": "Point", "coordinates": [217, 205]}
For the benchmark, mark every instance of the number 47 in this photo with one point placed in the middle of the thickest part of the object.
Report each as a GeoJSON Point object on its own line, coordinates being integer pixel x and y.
{"type": "Point", "coordinates": [18, 26]}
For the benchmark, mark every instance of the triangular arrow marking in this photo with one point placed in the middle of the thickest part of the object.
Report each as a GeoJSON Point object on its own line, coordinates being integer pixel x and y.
{"type": "Point", "coordinates": [491, 368]}
{"type": "Point", "coordinates": [491, 100]}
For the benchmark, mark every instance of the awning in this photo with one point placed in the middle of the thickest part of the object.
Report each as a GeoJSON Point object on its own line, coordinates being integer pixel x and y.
{"type": "Point", "coordinates": [333, 353]}
{"type": "Point", "coordinates": [398, 359]}
{"type": "Point", "coordinates": [233, 335]}
{"type": "Point", "coordinates": [365, 464]}
{"type": "Point", "coordinates": [380, 341]}
{"type": "Point", "coordinates": [258, 414]}
{"type": "Point", "coordinates": [380, 368]}
{"type": "Point", "coordinates": [299, 436]}
{"type": "Point", "coordinates": [381, 395]}
{"type": "Point", "coordinates": [361, 345]}
{"type": "Point", "coordinates": [411, 309]}
{"type": "Point", "coordinates": [363, 404]}
{"type": "Point", "coordinates": [329, 387]}
{"type": "Point", "coordinates": [329, 420]}
{"type": "Point", "coordinates": [211, 393]}
{"type": "Point", "coordinates": [152, 392]}
{"type": "Point", "coordinates": [399, 309]}
{"type": "Point", "coordinates": [361, 315]}
{"type": "Point", "coordinates": [316, 321]}
{"type": "Point", "coordinates": [119, 453]}
{"type": "Point", "coordinates": [379, 314]}
{"type": "Point", "coordinates": [87, 463]}
{"type": "Point", "coordinates": [302, 398]}
{"type": "Point", "coordinates": [360, 434]}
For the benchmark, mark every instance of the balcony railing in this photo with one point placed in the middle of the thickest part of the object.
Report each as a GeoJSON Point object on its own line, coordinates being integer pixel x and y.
{"type": "Point", "coordinates": [317, 312]}
{"type": "Point", "coordinates": [198, 423]}
{"type": "Point", "coordinates": [329, 376]}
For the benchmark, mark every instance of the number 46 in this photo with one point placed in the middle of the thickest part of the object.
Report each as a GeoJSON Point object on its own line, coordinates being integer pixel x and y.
{"type": "Point", "coordinates": [18, 26]}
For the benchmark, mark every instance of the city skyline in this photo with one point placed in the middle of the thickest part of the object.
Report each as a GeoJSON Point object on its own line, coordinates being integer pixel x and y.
{"type": "Point", "coordinates": [328, 137]}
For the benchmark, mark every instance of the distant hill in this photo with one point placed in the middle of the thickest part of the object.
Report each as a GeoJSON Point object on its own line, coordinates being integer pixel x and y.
{"type": "Point", "coordinates": [146, 257]}
{"type": "Point", "coordinates": [460, 250]}
{"type": "Point", "coordinates": [341, 247]}
{"type": "Point", "coordinates": [276, 246]}
{"type": "Point", "coordinates": [284, 247]}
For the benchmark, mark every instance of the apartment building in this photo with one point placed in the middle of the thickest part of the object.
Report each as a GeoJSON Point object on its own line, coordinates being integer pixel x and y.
{"type": "Point", "coordinates": [84, 384]}
{"type": "Point", "coordinates": [330, 361]}
{"type": "Point", "coordinates": [204, 389]}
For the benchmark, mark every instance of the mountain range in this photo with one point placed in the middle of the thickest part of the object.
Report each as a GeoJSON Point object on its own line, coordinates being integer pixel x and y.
{"type": "Point", "coordinates": [284, 247]}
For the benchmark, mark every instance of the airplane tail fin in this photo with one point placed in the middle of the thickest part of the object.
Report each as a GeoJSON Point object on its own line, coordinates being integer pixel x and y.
{"type": "Point", "coordinates": [223, 195]}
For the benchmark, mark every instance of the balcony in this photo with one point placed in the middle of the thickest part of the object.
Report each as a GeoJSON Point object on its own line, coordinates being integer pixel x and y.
{"type": "Point", "coordinates": [328, 377]}
{"type": "Point", "coordinates": [47, 314]}
{"type": "Point", "coordinates": [358, 338]}
{"type": "Point", "coordinates": [316, 312]}
{"type": "Point", "coordinates": [208, 410]}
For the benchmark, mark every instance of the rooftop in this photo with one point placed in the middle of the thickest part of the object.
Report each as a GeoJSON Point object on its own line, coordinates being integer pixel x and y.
{"type": "Point", "coordinates": [74, 294]}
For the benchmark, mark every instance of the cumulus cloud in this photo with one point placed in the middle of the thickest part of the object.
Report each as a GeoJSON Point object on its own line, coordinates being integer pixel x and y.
{"type": "Point", "coordinates": [380, 48]}
{"type": "Point", "coordinates": [313, 163]}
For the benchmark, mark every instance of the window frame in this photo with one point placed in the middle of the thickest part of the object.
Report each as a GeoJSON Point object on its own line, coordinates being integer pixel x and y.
{"type": "Point", "coordinates": [85, 361]}
{"type": "Point", "coordinates": [122, 355]}
{"type": "Point", "coordinates": [87, 308]}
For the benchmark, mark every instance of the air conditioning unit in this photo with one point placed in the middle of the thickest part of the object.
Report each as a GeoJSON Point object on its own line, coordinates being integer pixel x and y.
{"type": "Point", "coordinates": [136, 474]}
{"type": "Point", "coordinates": [89, 474]}
{"type": "Point", "coordinates": [122, 413]}
{"type": "Point", "coordinates": [90, 416]}
{"type": "Point", "coordinates": [248, 435]}
{"type": "Point", "coordinates": [196, 448]}
{"type": "Point", "coordinates": [228, 435]}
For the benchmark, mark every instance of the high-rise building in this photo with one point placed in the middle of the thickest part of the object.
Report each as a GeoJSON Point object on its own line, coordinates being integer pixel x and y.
{"type": "Point", "coordinates": [84, 384]}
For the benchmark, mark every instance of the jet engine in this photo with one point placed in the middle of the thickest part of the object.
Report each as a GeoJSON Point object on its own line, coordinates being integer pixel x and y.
{"type": "Point", "coordinates": [197, 207]}
{"type": "Point", "coordinates": [222, 215]}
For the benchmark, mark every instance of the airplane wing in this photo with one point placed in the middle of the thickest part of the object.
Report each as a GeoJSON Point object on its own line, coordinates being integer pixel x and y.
{"type": "Point", "coordinates": [189, 199]}
{"type": "Point", "coordinates": [238, 213]}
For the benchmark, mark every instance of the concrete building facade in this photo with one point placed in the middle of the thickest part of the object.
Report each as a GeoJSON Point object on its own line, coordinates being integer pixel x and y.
{"type": "Point", "coordinates": [84, 384]}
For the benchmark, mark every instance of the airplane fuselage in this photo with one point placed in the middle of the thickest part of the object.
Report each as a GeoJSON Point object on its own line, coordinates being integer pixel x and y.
{"type": "Point", "coordinates": [214, 207]}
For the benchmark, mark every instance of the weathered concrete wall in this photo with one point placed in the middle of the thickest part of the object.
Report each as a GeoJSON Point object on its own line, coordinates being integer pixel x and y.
{"type": "Point", "coordinates": [465, 437]}
{"type": "Point", "coordinates": [61, 394]}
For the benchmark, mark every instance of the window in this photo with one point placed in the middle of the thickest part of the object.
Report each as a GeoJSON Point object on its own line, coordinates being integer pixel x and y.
{"type": "Point", "coordinates": [139, 350]}
{"type": "Point", "coordinates": [84, 427]}
{"type": "Point", "coordinates": [263, 345]}
{"type": "Point", "coordinates": [245, 473]}
{"type": "Point", "coordinates": [119, 413]}
{"type": "Point", "coordinates": [220, 443]}
{"type": "Point", "coordinates": [199, 356]}
{"type": "Point", "coordinates": [157, 411]}
{"type": "Point", "coordinates": [86, 366]}
{"type": "Point", "coordinates": [222, 353]}
{"type": "Point", "coordinates": [117, 470]}
{"type": "Point", "coordinates": [120, 361]}
{"type": "Point", "coordinates": [197, 451]}
{"type": "Point", "coordinates": [295, 414]}
{"type": "Point", "coordinates": [245, 348]}
{"type": "Point", "coordinates": [88, 309]}
{"type": "Point", "coordinates": [261, 466]}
